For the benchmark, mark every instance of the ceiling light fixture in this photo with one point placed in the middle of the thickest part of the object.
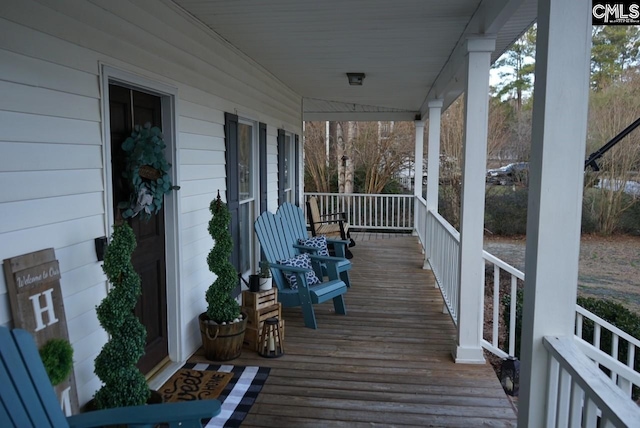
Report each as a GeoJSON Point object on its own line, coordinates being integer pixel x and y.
{"type": "Point", "coordinates": [355, 79]}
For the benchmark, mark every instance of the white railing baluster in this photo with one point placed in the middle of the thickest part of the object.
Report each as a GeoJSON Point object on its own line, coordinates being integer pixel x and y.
{"type": "Point", "coordinates": [579, 324]}
{"type": "Point", "coordinates": [589, 414]}
{"type": "Point", "coordinates": [553, 379]}
{"type": "Point", "coordinates": [614, 352]}
{"type": "Point", "coordinates": [512, 315]}
{"type": "Point", "coordinates": [575, 413]}
{"type": "Point", "coordinates": [496, 305]}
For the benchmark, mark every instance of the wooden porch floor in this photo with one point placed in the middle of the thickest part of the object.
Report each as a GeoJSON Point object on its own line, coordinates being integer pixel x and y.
{"type": "Point", "coordinates": [386, 363]}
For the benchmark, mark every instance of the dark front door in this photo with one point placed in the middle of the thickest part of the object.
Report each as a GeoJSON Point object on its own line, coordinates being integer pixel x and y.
{"type": "Point", "coordinates": [127, 108]}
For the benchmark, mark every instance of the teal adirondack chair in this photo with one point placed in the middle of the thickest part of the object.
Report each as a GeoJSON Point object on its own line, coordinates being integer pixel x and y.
{"type": "Point", "coordinates": [28, 399]}
{"type": "Point", "coordinates": [276, 243]}
{"type": "Point", "coordinates": [293, 219]}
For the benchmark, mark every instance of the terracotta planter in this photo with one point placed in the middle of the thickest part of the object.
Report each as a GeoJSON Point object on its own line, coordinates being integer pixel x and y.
{"type": "Point", "coordinates": [222, 342]}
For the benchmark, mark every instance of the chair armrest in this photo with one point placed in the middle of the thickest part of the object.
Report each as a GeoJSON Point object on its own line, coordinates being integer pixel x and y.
{"type": "Point", "coordinates": [339, 247]}
{"type": "Point", "coordinates": [183, 414]}
{"type": "Point", "coordinates": [342, 214]}
{"type": "Point", "coordinates": [331, 263]}
{"type": "Point", "coordinates": [298, 272]}
{"type": "Point", "coordinates": [301, 278]}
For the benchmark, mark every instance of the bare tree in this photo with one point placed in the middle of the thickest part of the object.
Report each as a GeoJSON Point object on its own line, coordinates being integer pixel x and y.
{"type": "Point", "coordinates": [382, 155]}
{"type": "Point", "coordinates": [317, 170]}
{"type": "Point", "coordinates": [612, 109]}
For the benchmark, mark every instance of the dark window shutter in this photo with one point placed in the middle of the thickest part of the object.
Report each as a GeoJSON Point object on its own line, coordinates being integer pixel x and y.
{"type": "Point", "coordinates": [281, 156]}
{"type": "Point", "coordinates": [233, 178]}
{"type": "Point", "coordinates": [262, 138]}
{"type": "Point", "coordinates": [296, 180]}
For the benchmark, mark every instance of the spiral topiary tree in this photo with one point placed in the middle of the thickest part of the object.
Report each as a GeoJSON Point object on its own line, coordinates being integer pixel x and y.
{"type": "Point", "coordinates": [221, 306]}
{"type": "Point", "coordinates": [124, 384]}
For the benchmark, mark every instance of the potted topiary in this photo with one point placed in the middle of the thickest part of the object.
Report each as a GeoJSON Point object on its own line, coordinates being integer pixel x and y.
{"type": "Point", "coordinates": [124, 384]}
{"type": "Point", "coordinates": [222, 326]}
{"type": "Point", "coordinates": [265, 276]}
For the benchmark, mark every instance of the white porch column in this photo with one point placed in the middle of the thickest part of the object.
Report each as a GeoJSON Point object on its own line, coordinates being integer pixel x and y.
{"type": "Point", "coordinates": [419, 158]}
{"type": "Point", "coordinates": [417, 169]}
{"type": "Point", "coordinates": [433, 169]}
{"type": "Point", "coordinates": [468, 347]}
{"type": "Point", "coordinates": [433, 153]}
{"type": "Point", "coordinates": [555, 192]}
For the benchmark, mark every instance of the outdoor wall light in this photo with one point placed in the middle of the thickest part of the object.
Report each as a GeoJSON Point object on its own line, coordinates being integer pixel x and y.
{"type": "Point", "coordinates": [510, 376]}
{"type": "Point", "coordinates": [355, 79]}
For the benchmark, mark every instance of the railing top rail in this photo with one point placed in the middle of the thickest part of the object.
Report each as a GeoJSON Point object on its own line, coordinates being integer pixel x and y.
{"type": "Point", "coordinates": [503, 265]}
{"type": "Point", "coordinates": [445, 224]}
{"type": "Point", "coordinates": [421, 200]}
{"type": "Point", "coordinates": [624, 335]}
{"type": "Point", "coordinates": [608, 361]}
{"type": "Point", "coordinates": [618, 408]}
{"type": "Point", "coordinates": [370, 195]}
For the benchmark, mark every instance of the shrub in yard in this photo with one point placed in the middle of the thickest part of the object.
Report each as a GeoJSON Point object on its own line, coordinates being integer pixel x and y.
{"type": "Point", "coordinates": [506, 210]}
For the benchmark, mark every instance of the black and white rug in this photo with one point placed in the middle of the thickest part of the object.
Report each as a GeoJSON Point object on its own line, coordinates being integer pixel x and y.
{"type": "Point", "coordinates": [239, 394]}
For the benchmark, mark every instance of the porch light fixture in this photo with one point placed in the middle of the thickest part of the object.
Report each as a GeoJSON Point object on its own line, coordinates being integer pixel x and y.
{"type": "Point", "coordinates": [355, 79]}
{"type": "Point", "coordinates": [510, 376]}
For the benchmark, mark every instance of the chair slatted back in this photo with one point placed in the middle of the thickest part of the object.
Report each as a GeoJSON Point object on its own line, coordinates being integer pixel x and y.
{"type": "Point", "coordinates": [275, 242]}
{"type": "Point", "coordinates": [28, 399]}
{"type": "Point", "coordinates": [293, 216]}
{"type": "Point", "coordinates": [314, 211]}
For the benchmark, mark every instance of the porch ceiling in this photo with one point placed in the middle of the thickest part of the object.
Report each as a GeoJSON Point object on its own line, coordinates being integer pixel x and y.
{"type": "Point", "coordinates": [410, 50]}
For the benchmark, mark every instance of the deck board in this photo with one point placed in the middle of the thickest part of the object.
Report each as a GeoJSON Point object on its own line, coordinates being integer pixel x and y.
{"type": "Point", "coordinates": [386, 363]}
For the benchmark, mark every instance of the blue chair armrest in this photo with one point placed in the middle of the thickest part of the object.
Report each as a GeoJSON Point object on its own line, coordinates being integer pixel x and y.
{"type": "Point", "coordinates": [182, 414]}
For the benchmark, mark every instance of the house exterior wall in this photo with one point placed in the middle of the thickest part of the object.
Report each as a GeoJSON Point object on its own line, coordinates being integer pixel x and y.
{"type": "Point", "coordinates": [53, 150]}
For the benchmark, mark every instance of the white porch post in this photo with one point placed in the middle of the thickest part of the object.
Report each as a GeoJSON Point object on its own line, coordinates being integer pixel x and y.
{"type": "Point", "coordinates": [433, 169]}
{"type": "Point", "coordinates": [468, 347]}
{"type": "Point", "coordinates": [555, 192]}
{"type": "Point", "coordinates": [417, 168]}
{"type": "Point", "coordinates": [419, 158]}
{"type": "Point", "coordinates": [433, 153]}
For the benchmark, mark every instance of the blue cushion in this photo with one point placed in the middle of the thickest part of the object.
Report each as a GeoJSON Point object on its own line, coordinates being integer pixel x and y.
{"type": "Point", "coordinates": [319, 242]}
{"type": "Point", "coordinates": [300, 261]}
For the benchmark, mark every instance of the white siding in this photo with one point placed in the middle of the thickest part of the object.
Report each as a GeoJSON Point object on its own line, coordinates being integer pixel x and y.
{"type": "Point", "coordinates": [52, 185]}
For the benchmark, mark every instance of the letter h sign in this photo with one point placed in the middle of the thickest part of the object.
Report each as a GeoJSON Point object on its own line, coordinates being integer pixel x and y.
{"type": "Point", "coordinates": [33, 285]}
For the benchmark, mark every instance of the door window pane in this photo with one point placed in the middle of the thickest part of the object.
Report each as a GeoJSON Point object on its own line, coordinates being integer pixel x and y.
{"type": "Point", "coordinates": [245, 160]}
{"type": "Point", "coordinates": [246, 164]}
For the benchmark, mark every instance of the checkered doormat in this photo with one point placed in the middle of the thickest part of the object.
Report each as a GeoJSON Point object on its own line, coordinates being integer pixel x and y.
{"type": "Point", "coordinates": [239, 394]}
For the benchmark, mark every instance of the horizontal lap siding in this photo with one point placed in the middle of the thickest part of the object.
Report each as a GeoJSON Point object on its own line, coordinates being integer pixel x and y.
{"type": "Point", "coordinates": [52, 153]}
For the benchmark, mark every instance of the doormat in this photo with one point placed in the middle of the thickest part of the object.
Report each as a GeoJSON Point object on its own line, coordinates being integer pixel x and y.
{"type": "Point", "coordinates": [187, 385]}
{"type": "Point", "coordinates": [237, 396]}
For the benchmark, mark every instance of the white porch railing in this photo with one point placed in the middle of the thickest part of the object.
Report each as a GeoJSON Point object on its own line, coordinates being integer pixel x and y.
{"type": "Point", "coordinates": [579, 394]}
{"type": "Point", "coordinates": [369, 211]}
{"type": "Point", "coordinates": [443, 245]}
{"type": "Point", "coordinates": [492, 344]}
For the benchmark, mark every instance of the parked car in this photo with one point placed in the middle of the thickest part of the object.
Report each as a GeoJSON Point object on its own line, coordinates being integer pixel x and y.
{"type": "Point", "coordinates": [510, 174]}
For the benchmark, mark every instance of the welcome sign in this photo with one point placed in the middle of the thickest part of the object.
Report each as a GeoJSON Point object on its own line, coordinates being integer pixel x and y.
{"type": "Point", "coordinates": [33, 284]}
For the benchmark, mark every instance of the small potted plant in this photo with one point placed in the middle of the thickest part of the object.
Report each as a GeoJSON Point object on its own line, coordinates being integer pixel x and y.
{"type": "Point", "coordinates": [265, 276]}
{"type": "Point", "coordinates": [57, 357]}
{"type": "Point", "coordinates": [222, 326]}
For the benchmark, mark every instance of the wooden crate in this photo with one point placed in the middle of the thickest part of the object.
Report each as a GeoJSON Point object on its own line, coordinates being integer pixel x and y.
{"type": "Point", "coordinates": [252, 334]}
{"type": "Point", "coordinates": [262, 299]}
{"type": "Point", "coordinates": [256, 318]}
